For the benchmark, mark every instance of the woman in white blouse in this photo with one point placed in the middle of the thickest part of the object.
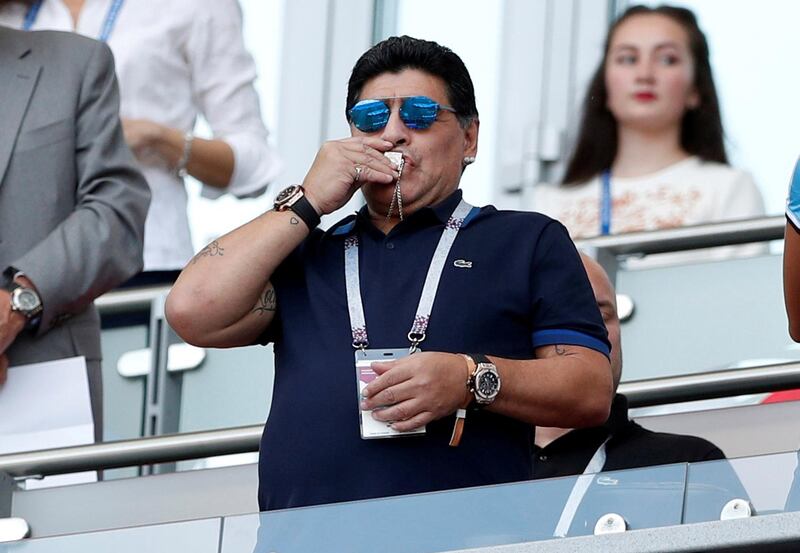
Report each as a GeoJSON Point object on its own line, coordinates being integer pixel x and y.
{"type": "Point", "coordinates": [176, 60]}
{"type": "Point", "coordinates": [650, 150]}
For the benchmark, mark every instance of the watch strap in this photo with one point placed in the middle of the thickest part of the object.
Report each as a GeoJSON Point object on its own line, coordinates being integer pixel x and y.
{"type": "Point", "coordinates": [303, 209]}
{"type": "Point", "coordinates": [458, 427]}
{"type": "Point", "coordinates": [33, 323]}
{"type": "Point", "coordinates": [461, 412]}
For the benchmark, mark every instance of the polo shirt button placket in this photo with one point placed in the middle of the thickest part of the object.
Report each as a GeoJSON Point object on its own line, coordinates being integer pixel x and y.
{"type": "Point", "coordinates": [390, 245]}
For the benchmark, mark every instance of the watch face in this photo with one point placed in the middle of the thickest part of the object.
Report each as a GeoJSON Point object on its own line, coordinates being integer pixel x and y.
{"type": "Point", "coordinates": [285, 194]}
{"type": "Point", "coordinates": [488, 384]}
{"type": "Point", "coordinates": [25, 300]}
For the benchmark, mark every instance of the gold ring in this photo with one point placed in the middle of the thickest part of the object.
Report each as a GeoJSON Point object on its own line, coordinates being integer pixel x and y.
{"type": "Point", "coordinates": [359, 168]}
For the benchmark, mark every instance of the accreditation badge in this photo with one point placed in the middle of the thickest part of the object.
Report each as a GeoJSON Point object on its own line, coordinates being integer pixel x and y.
{"type": "Point", "coordinates": [371, 428]}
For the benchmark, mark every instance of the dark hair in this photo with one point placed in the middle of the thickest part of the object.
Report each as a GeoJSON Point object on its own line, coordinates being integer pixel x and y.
{"type": "Point", "coordinates": [397, 53]}
{"type": "Point", "coordinates": [701, 128]}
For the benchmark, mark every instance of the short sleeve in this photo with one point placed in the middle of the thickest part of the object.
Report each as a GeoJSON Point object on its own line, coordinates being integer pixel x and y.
{"type": "Point", "coordinates": [564, 309]}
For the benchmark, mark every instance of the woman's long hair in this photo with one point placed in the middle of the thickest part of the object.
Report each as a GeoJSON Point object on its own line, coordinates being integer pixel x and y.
{"type": "Point", "coordinates": [701, 128]}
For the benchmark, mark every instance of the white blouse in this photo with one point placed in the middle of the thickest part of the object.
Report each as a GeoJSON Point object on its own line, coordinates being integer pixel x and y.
{"type": "Point", "coordinates": [177, 60]}
{"type": "Point", "coordinates": [689, 192]}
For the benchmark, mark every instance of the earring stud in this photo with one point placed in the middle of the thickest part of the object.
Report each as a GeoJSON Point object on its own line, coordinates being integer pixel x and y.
{"type": "Point", "coordinates": [469, 160]}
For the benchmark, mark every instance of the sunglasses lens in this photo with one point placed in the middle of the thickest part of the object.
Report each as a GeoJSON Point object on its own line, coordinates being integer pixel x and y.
{"type": "Point", "coordinates": [369, 115]}
{"type": "Point", "coordinates": [419, 112]}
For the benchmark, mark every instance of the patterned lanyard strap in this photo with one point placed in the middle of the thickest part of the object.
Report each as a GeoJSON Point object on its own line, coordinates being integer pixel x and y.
{"type": "Point", "coordinates": [108, 24]}
{"type": "Point", "coordinates": [416, 335]}
{"type": "Point", "coordinates": [605, 203]}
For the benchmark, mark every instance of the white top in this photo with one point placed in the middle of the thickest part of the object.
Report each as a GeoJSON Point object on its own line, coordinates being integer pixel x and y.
{"type": "Point", "coordinates": [689, 192]}
{"type": "Point", "coordinates": [177, 59]}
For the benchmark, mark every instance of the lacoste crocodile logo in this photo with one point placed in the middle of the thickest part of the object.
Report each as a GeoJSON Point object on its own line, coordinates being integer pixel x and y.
{"type": "Point", "coordinates": [462, 264]}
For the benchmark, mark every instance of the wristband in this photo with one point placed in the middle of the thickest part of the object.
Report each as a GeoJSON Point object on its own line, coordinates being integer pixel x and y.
{"type": "Point", "coordinates": [461, 412]}
{"type": "Point", "coordinates": [303, 209]}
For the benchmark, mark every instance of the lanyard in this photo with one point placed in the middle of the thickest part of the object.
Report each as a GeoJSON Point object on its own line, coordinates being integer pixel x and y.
{"type": "Point", "coordinates": [579, 490]}
{"type": "Point", "coordinates": [416, 335]}
{"type": "Point", "coordinates": [605, 203]}
{"type": "Point", "coordinates": [108, 24]}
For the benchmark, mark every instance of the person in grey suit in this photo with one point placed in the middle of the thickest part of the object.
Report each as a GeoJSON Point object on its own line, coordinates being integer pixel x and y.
{"type": "Point", "coordinates": [72, 203]}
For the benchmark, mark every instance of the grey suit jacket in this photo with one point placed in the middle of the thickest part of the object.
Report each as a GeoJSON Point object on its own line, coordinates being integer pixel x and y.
{"type": "Point", "coordinates": [72, 203]}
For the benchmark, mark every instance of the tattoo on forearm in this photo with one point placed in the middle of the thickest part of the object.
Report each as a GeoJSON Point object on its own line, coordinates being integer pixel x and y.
{"type": "Point", "coordinates": [267, 301]}
{"type": "Point", "coordinates": [294, 221]}
{"type": "Point", "coordinates": [212, 250]}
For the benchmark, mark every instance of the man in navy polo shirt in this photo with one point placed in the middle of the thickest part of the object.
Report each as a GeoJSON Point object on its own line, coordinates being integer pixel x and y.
{"type": "Point", "coordinates": [496, 305]}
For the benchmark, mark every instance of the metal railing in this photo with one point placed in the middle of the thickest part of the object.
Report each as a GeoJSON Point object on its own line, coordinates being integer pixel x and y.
{"type": "Point", "coordinates": [198, 445]}
{"type": "Point", "coordinates": [126, 453]}
{"type": "Point", "coordinates": [710, 385]}
{"type": "Point", "coordinates": [729, 233]}
{"type": "Point", "coordinates": [133, 299]}
{"type": "Point", "coordinates": [609, 249]}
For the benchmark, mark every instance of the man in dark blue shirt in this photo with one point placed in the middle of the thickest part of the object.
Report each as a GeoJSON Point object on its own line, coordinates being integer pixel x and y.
{"type": "Point", "coordinates": [496, 305]}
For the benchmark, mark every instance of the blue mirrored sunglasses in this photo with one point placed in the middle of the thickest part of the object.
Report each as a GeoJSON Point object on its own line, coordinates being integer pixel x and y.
{"type": "Point", "coordinates": [416, 112]}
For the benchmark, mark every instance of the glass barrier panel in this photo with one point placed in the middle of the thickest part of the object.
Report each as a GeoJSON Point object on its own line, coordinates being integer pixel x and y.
{"type": "Point", "coordinates": [231, 387]}
{"type": "Point", "coordinates": [199, 536]}
{"type": "Point", "coordinates": [210, 394]}
{"type": "Point", "coordinates": [123, 397]}
{"type": "Point", "coordinates": [646, 498]}
{"type": "Point", "coordinates": [440, 521]}
{"type": "Point", "coordinates": [770, 483]}
{"type": "Point", "coordinates": [692, 314]}
{"type": "Point", "coordinates": [461, 519]}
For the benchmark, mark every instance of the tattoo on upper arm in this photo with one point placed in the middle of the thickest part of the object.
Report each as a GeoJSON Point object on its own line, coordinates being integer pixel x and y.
{"type": "Point", "coordinates": [211, 250]}
{"type": "Point", "coordinates": [294, 221]}
{"type": "Point", "coordinates": [267, 302]}
{"type": "Point", "coordinates": [562, 350]}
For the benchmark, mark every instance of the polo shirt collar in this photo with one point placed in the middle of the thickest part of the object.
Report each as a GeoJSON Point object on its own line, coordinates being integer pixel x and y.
{"type": "Point", "coordinates": [444, 209]}
{"type": "Point", "coordinates": [429, 215]}
{"type": "Point", "coordinates": [424, 216]}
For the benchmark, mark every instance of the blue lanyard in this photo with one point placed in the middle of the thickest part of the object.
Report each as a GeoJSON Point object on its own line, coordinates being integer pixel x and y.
{"type": "Point", "coordinates": [605, 203]}
{"type": "Point", "coordinates": [108, 24]}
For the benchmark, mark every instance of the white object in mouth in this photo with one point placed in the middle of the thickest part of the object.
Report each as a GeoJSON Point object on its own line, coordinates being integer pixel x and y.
{"type": "Point", "coordinates": [397, 159]}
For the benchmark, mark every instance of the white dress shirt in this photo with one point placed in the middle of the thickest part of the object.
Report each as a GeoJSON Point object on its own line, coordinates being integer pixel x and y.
{"type": "Point", "coordinates": [177, 60]}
